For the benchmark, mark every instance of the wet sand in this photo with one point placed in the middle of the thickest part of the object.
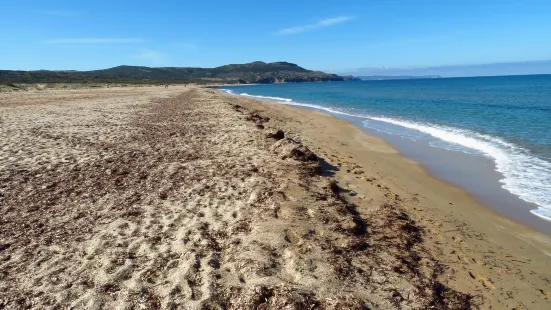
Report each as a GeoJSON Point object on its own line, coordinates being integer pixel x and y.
{"type": "Point", "coordinates": [187, 198]}
{"type": "Point", "coordinates": [475, 174]}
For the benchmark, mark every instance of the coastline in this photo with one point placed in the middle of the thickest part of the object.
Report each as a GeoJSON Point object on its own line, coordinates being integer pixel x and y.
{"type": "Point", "coordinates": [476, 174]}
{"type": "Point", "coordinates": [188, 197]}
{"type": "Point", "coordinates": [477, 177]}
{"type": "Point", "coordinates": [458, 169]}
{"type": "Point", "coordinates": [462, 230]}
{"type": "Point", "coordinates": [425, 170]}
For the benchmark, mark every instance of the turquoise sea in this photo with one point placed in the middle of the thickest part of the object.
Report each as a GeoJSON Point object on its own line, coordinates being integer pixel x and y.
{"type": "Point", "coordinates": [506, 119]}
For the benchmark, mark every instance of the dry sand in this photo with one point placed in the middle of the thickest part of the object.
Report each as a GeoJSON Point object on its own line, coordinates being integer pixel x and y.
{"type": "Point", "coordinates": [186, 198]}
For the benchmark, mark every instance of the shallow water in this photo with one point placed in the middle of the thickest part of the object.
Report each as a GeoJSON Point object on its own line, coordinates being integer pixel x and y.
{"type": "Point", "coordinates": [505, 121]}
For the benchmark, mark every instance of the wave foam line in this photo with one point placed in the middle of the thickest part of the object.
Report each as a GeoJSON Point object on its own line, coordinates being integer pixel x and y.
{"type": "Point", "coordinates": [267, 97]}
{"type": "Point", "coordinates": [229, 91]}
{"type": "Point", "coordinates": [524, 175]}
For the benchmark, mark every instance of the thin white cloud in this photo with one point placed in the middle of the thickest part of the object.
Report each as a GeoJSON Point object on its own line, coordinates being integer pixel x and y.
{"type": "Point", "coordinates": [95, 41]}
{"type": "Point", "coordinates": [320, 24]}
{"type": "Point", "coordinates": [151, 56]}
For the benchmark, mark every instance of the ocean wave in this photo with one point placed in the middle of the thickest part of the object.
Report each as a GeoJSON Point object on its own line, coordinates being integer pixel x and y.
{"type": "Point", "coordinates": [290, 101]}
{"type": "Point", "coordinates": [331, 110]}
{"type": "Point", "coordinates": [524, 175]}
{"type": "Point", "coordinates": [229, 91]}
{"type": "Point", "coordinates": [267, 97]}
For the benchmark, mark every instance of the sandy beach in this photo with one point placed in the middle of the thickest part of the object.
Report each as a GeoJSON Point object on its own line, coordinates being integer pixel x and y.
{"type": "Point", "coordinates": [188, 198]}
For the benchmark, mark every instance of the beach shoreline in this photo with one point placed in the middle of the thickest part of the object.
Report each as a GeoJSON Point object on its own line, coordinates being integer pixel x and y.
{"type": "Point", "coordinates": [476, 174]}
{"type": "Point", "coordinates": [185, 196]}
{"type": "Point", "coordinates": [426, 169]}
{"type": "Point", "coordinates": [458, 169]}
{"type": "Point", "coordinates": [441, 202]}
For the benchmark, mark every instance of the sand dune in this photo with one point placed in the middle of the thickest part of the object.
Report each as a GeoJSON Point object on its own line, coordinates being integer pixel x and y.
{"type": "Point", "coordinates": [184, 198]}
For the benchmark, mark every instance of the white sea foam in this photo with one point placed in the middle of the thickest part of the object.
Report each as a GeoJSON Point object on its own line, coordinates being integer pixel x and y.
{"type": "Point", "coordinates": [331, 110]}
{"type": "Point", "coordinates": [291, 102]}
{"type": "Point", "coordinates": [229, 91]}
{"type": "Point", "coordinates": [267, 97]}
{"type": "Point", "coordinates": [524, 175]}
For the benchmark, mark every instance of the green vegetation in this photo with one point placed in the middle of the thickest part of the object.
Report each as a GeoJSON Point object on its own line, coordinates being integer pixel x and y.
{"type": "Point", "coordinates": [254, 72]}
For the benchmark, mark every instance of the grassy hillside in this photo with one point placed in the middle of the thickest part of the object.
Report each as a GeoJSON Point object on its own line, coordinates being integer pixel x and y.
{"type": "Point", "coordinates": [254, 72]}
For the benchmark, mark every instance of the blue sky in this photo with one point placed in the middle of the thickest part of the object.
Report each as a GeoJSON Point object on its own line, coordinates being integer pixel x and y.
{"type": "Point", "coordinates": [325, 35]}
